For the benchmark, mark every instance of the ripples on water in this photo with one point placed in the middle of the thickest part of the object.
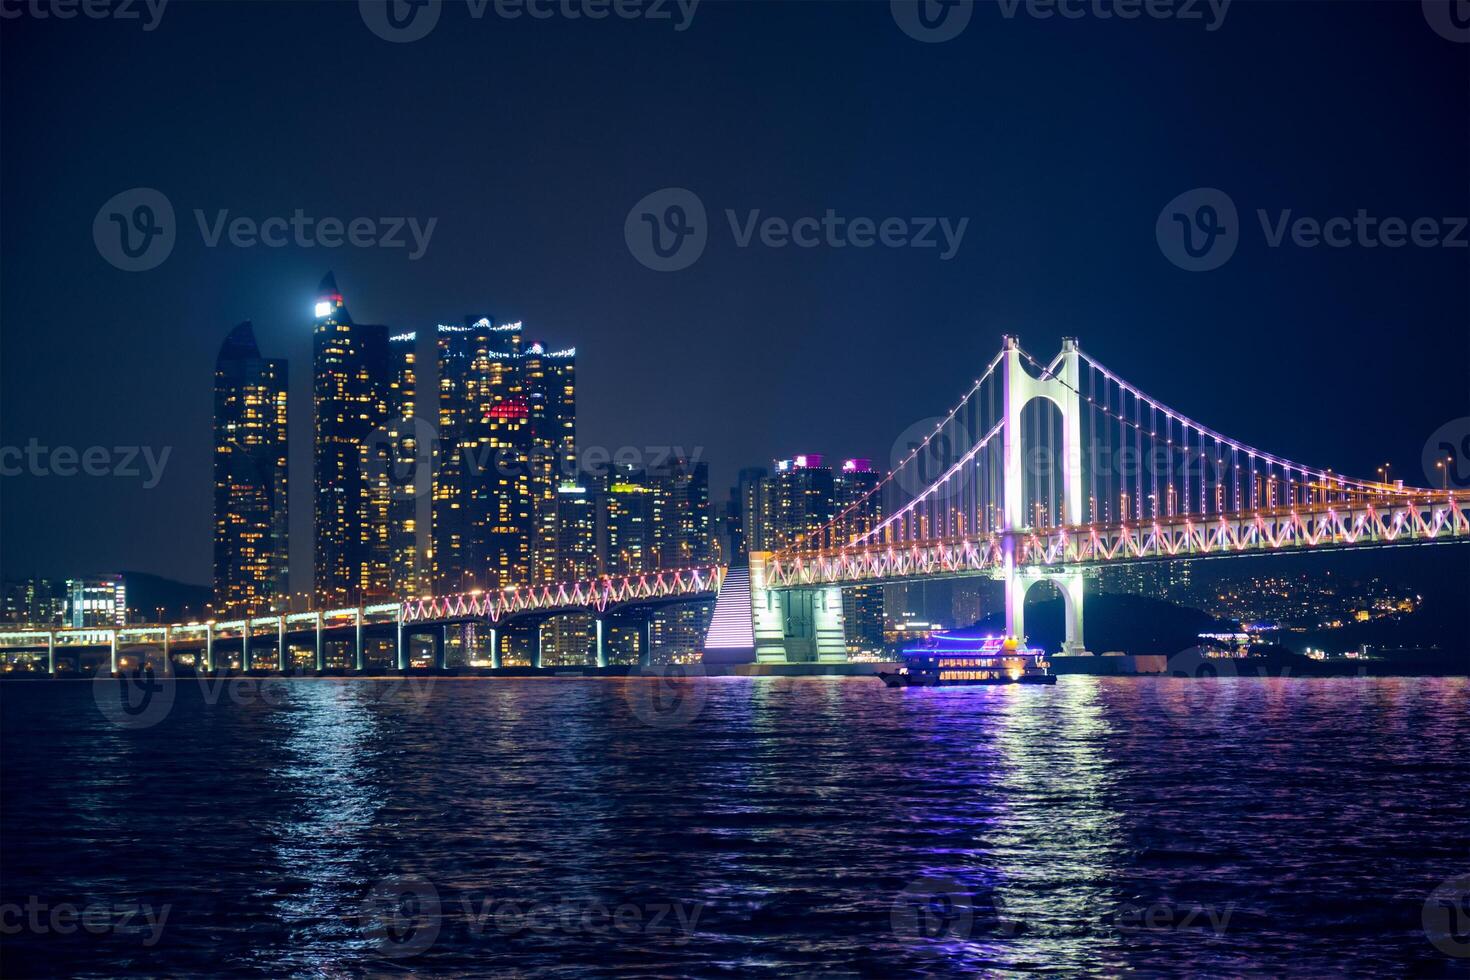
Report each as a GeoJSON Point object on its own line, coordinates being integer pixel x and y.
{"type": "Point", "coordinates": [791, 826]}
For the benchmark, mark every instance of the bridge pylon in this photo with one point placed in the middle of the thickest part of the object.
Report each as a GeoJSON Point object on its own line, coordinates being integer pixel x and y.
{"type": "Point", "coordinates": [1062, 387]}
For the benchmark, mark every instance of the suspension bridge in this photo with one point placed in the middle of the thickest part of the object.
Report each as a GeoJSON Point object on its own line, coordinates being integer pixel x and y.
{"type": "Point", "coordinates": [1040, 473]}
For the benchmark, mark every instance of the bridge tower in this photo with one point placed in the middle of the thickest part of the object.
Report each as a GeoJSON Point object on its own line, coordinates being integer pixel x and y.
{"type": "Point", "coordinates": [1063, 389]}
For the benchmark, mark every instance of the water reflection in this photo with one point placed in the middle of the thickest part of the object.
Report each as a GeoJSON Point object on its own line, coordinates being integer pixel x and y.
{"type": "Point", "coordinates": [1230, 826]}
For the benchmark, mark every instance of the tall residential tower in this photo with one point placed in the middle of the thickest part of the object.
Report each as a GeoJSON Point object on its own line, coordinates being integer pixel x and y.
{"type": "Point", "coordinates": [251, 532]}
{"type": "Point", "coordinates": [351, 396]}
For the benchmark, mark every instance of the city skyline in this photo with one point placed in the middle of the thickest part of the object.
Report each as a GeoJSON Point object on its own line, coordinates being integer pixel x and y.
{"type": "Point", "coordinates": [835, 349]}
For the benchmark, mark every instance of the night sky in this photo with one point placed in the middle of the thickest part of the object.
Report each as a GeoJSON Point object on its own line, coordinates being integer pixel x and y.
{"type": "Point", "coordinates": [530, 141]}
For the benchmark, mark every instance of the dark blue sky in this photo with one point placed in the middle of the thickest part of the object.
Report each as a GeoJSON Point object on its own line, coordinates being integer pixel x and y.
{"type": "Point", "coordinates": [529, 141]}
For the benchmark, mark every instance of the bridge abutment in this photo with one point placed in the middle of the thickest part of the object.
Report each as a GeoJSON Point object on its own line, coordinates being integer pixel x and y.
{"type": "Point", "coordinates": [796, 625]}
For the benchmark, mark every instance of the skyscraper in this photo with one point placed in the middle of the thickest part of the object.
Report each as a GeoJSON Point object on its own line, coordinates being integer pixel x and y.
{"type": "Point", "coordinates": [482, 492]}
{"type": "Point", "coordinates": [743, 520]}
{"type": "Point", "coordinates": [399, 463]}
{"type": "Point", "coordinates": [859, 506]}
{"type": "Point", "coordinates": [507, 436]}
{"type": "Point", "coordinates": [684, 536]}
{"type": "Point", "coordinates": [351, 393]}
{"type": "Point", "coordinates": [796, 502]}
{"type": "Point", "coordinates": [568, 639]}
{"type": "Point", "coordinates": [251, 531]}
{"type": "Point", "coordinates": [549, 381]}
{"type": "Point", "coordinates": [626, 540]}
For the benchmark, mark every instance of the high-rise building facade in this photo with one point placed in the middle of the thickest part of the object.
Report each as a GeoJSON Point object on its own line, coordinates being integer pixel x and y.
{"type": "Point", "coordinates": [351, 396]}
{"type": "Point", "coordinates": [251, 529]}
{"type": "Point", "coordinates": [568, 639]}
{"type": "Point", "coordinates": [549, 381]}
{"type": "Point", "coordinates": [684, 538]}
{"type": "Point", "coordinates": [399, 457]}
{"type": "Point", "coordinates": [859, 506]}
{"type": "Point", "coordinates": [507, 437]}
{"type": "Point", "coordinates": [33, 601]}
{"type": "Point", "coordinates": [100, 601]}
{"type": "Point", "coordinates": [796, 502]}
{"type": "Point", "coordinates": [743, 519]}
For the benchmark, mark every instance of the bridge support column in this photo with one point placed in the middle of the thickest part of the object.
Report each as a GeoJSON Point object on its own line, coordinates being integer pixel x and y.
{"type": "Point", "coordinates": [496, 661]}
{"type": "Point", "coordinates": [400, 653]}
{"type": "Point", "coordinates": [1069, 584]}
{"type": "Point", "coordinates": [441, 659]}
{"type": "Point", "coordinates": [168, 663]}
{"type": "Point", "coordinates": [281, 644]}
{"type": "Point", "coordinates": [357, 658]}
{"type": "Point", "coordinates": [321, 658]}
{"type": "Point", "coordinates": [209, 647]}
{"type": "Point", "coordinates": [645, 641]}
{"type": "Point", "coordinates": [112, 644]}
{"type": "Point", "coordinates": [536, 644]}
{"type": "Point", "coordinates": [599, 632]}
{"type": "Point", "coordinates": [51, 653]}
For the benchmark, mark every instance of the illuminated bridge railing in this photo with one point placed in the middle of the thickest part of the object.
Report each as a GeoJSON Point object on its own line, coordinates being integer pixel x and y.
{"type": "Point", "coordinates": [594, 595]}
{"type": "Point", "coordinates": [1381, 523]}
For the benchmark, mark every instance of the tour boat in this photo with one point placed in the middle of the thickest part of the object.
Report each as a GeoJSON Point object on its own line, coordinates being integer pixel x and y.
{"type": "Point", "coordinates": [953, 659]}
